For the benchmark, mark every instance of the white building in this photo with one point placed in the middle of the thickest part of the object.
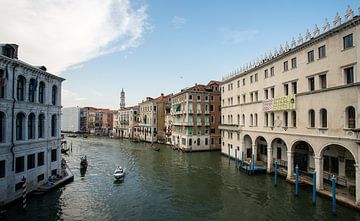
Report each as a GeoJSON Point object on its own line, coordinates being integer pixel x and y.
{"type": "Point", "coordinates": [300, 106]}
{"type": "Point", "coordinates": [70, 119]}
{"type": "Point", "coordinates": [30, 113]}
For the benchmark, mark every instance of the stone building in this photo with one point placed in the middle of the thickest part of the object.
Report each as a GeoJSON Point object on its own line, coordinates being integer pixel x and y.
{"type": "Point", "coordinates": [70, 119]}
{"type": "Point", "coordinates": [300, 106]}
{"type": "Point", "coordinates": [128, 122]}
{"type": "Point", "coordinates": [30, 113]}
{"type": "Point", "coordinates": [152, 118]}
{"type": "Point", "coordinates": [196, 117]}
{"type": "Point", "coordinates": [97, 121]}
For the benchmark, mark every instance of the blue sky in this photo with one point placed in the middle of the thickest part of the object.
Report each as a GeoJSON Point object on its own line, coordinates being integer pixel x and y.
{"type": "Point", "coordinates": [173, 44]}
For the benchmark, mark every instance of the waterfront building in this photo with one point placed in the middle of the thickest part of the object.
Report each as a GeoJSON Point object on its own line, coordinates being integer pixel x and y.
{"type": "Point", "coordinates": [152, 118]}
{"type": "Point", "coordinates": [30, 114]}
{"type": "Point", "coordinates": [299, 105]}
{"type": "Point", "coordinates": [196, 117]}
{"type": "Point", "coordinates": [168, 127]}
{"type": "Point", "coordinates": [97, 121]}
{"type": "Point", "coordinates": [128, 121]}
{"type": "Point", "coordinates": [116, 125]}
{"type": "Point", "coordinates": [70, 119]}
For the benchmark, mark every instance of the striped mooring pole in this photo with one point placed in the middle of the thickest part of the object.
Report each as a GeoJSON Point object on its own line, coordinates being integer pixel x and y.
{"type": "Point", "coordinates": [24, 193]}
{"type": "Point", "coordinates": [276, 172]}
{"type": "Point", "coordinates": [236, 158]}
{"type": "Point", "coordinates": [229, 152]}
{"type": "Point", "coordinates": [333, 194]}
{"type": "Point", "coordinates": [314, 187]}
{"type": "Point", "coordinates": [252, 164]}
{"type": "Point", "coordinates": [297, 180]}
{"type": "Point", "coordinates": [242, 159]}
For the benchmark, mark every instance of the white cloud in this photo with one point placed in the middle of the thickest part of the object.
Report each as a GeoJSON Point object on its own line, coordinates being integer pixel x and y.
{"type": "Point", "coordinates": [178, 22]}
{"type": "Point", "coordinates": [237, 36]}
{"type": "Point", "coordinates": [64, 33]}
{"type": "Point", "coordinates": [70, 98]}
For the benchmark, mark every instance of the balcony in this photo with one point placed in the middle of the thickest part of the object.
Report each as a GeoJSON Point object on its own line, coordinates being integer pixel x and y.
{"type": "Point", "coordinates": [233, 127]}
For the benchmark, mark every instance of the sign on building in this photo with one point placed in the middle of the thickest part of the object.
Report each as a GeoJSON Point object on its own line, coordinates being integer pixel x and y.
{"type": "Point", "coordinates": [280, 103]}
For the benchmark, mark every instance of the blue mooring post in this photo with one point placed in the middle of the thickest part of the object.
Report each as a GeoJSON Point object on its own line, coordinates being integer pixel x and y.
{"type": "Point", "coordinates": [236, 162]}
{"type": "Point", "coordinates": [252, 164]}
{"type": "Point", "coordinates": [229, 152]}
{"type": "Point", "coordinates": [242, 159]}
{"type": "Point", "coordinates": [333, 195]}
{"type": "Point", "coordinates": [276, 172]}
{"type": "Point", "coordinates": [314, 187]}
{"type": "Point", "coordinates": [297, 181]}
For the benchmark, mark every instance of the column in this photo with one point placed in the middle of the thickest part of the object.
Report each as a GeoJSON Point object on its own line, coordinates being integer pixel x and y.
{"type": "Point", "coordinates": [319, 172]}
{"type": "Point", "coordinates": [269, 159]}
{"type": "Point", "coordinates": [357, 184]}
{"type": "Point", "coordinates": [290, 169]}
{"type": "Point", "coordinates": [254, 151]}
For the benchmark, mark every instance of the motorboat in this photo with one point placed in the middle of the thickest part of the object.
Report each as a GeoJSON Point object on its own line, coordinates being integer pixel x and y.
{"type": "Point", "coordinates": [119, 173]}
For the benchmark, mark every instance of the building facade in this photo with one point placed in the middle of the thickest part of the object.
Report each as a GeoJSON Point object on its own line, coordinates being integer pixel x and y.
{"type": "Point", "coordinates": [196, 117]}
{"type": "Point", "coordinates": [300, 107]}
{"type": "Point", "coordinates": [128, 122]}
{"type": "Point", "coordinates": [97, 121]}
{"type": "Point", "coordinates": [30, 114]}
{"type": "Point", "coordinates": [70, 119]}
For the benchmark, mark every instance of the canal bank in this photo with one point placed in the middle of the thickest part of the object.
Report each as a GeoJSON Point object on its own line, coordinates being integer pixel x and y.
{"type": "Point", "coordinates": [169, 185]}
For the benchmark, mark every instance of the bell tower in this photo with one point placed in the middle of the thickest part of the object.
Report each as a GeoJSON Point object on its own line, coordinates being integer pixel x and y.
{"type": "Point", "coordinates": [122, 99]}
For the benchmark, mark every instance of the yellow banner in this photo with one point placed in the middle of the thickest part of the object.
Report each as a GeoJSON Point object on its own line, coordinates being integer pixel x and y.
{"type": "Point", "coordinates": [280, 103]}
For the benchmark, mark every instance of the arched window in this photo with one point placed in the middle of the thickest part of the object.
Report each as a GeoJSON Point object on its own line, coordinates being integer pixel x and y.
{"type": "Point", "coordinates": [251, 120]}
{"type": "Point", "coordinates": [228, 119]}
{"type": "Point", "coordinates": [311, 118]}
{"type": "Point", "coordinates": [285, 116]}
{"type": "Point", "coordinates": [41, 92]}
{"type": "Point", "coordinates": [323, 118]}
{"type": "Point", "coordinates": [266, 119]}
{"type": "Point", "coordinates": [231, 119]}
{"type": "Point", "coordinates": [255, 120]}
{"type": "Point", "coordinates": [54, 95]}
{"type": "Point", "coordinates": [2, 127]}
{"type": "Point", "coordinates": [2, 83]}
{"type": "Point", "coordinates": [190, 141]}
{"type": "Point", "coordinates": [32, 89]}
{"type": "Point", "coordinates": [238, 119]}
{"type": "Point", "coordinates": [20, 88]}
{"type": "Point", "coordinates": [223, 119]}
{"type": "Point", "coordinates": [206, 141]}
{"type": "Point", "coordinates": [272, 119]}
{"type": "Point", "coordinates": [198, 142]}
{"type": "Point", "coordinates": [31, 126]}
{"type": "Point", "coordinates": [20, 126]}
{"type": "Point", "coordinates": [350, 117]}
{"type": "Point", "coordinates": [293, 118]}
{"type": "Point", "coordinates": [53, 125]}
{"type": "Point", "coordinates": [243, 119]}
{"type": "Point", "coordinates": [41, 126]}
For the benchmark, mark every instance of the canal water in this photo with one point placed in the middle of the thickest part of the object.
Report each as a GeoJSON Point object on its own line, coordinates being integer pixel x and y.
{"type": "Point", "coordinates": [170, 185]}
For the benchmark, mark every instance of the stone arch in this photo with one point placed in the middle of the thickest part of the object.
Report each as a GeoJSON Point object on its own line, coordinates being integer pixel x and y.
{"type": "Point", "coordinates": [279, 149]}
{"type": "Point", "coordinates": [261, 148]}
{"type": "Point", "coordinates": [323, 149]}
{"type": "Point", "coordinates": [304, 154]}
{"type": "Point", "coordinates": [247, 145]}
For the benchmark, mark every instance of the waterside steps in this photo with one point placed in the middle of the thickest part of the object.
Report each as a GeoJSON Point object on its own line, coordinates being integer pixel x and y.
{"type": "Point", "coordinates": [258, 169]}
{"type": "Point", "coordinates": [67, 177]}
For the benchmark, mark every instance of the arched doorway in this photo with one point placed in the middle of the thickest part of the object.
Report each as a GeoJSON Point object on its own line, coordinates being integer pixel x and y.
{"type": "Point", "coordinates": [338, 161]}
{"type": "Point", "coordinates": [279, 153]}
{"type": "Point", "coordinates": [247, 147]}
{"type": "Point", "coordinates": [261, 147]}
{"type": "Point", "coordinates": [304, 157]}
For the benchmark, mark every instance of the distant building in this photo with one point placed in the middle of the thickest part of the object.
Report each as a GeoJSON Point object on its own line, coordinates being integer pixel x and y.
{"type": "Point", "coordinates": [128, 122]}
{"type": "Point", "coordinates": [70, 120]}
{"type": "Point", "coordinates": [196, 116]}
{"type": "Point", "coordinates": [152, 118]}
{"type": "Point", "coordinates": [30, 114]}
{"type": "Point", "coordinates": [96, 121]}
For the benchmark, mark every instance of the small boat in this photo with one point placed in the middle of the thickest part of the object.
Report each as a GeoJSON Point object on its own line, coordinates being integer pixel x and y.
{"type": "Point", "coordinates": [72, 135]}
{"type": "Point", "coordinates": [85, 136]}
{"type": "Point", "coordinates": [119, 173]}
{"type": "Point", "coordinates": [63, 150]}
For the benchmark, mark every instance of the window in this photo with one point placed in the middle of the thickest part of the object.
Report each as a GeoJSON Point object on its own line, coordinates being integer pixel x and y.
{"type": "Point", "coordinates": [272, 73]}
{"type": "Point", "coordinates": [30, 161]}
{"type": "Point", "coordinates": [20, 126]}
{"type": "Point", "coordinates": [244, 98]}
{"type": "Point", "coordinates": [199, 97]}
{"type": "Point", "coordinates": [2, 83]}
{"type": "Point", "coordinates": [266, 119]}
{"type": "Point", "coordinates": [243, 119]}
{"type": "Point", "coordinates": [190, 97]}
{"type": "Point", "coordinates": [322, 52]}
{"type": "Point", "coordinates": [40, 177]}
{"type": "Point", "coordinates": [31, 126]}
{"type": "Point", "coordinates": [286, 66]}
{"type": "Point", "coordinates": [256, 77]}
{"type": "Point", "coordinates": [311, 118]}
{"type": "Point", "coordinates": [238, 83]}
{"type": "Point", "coordinates": [2, 127]}
{"type": "Point", "coordinates": [322, 80]}
{"type": "Point", "coordinates": [206, 141]}
{"type": "Point", "coordinates": [198, 142]}
{"type": "Point", "coordinates": [20, 88]}
{"type": "Point", "coordinates": [272, 119]}
{"type": "Point", "coordinates": [348, 41]}
{"type": "Point", "coordinates": [40, 156]}
{"type": "Point", "coordinates": [41, 92]}
{"type": "Point", "coordinates": [243, 81]}
{"type": "Point", "coordinates": [286, 89]}
{"type": "Point", "coordinates": [266, 94]}
{"type": "Point", "coordinates": [293, 63]}
{"type": "Point", "coordinates": [293, 118]}
{"type": "Point", "coordinates": [323, 118]}
{"type": "Point", "coordinates": [53, 155]}
{"type": "Point", "coordinates": [32, 89]}
{"type": "Point", "coordinates": [294, 87]}
{"type": "Point", "coordinates": [251, 79]}
{"type": "Point", "coordinates": [41, 126]}
{"type": "Point", "coordinates": [238, 119]}
{"type": "Point", "coordinates": [190, 142]}
{"type": "Point", "coordinates": [256, 96]}
{"type": "Point", "coordinates": [311, 84]}
{"type": "Point", "coordinates": [212, 141]}
{"type": "Point", "coordinates": [272, 92]}
{"type": "Point", "coordinates": [212, 130]}
{"type": "Point", "coordinates": [266, 73]}
{"type": "Point", "coordinates": [285, 116]}
{"type": "Point", "coordinates": [54, 95]}
{"type": "Point", "coordinates": [310, 56]}
{"type": "Point", "coordinates": [19, 164]}
{"type": "Point", "coordinates": [53, 125]}
{"type": "Point", "coordinates": [349, 75]}
{"type": "Point", "coordinates": [350, 117]}
{"type": "Point", "coordinates": [2, 168]}
{"type": "Point", "coordinates": [251, 120]}
{"type": "Point", "coordinates": [255, 120]}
